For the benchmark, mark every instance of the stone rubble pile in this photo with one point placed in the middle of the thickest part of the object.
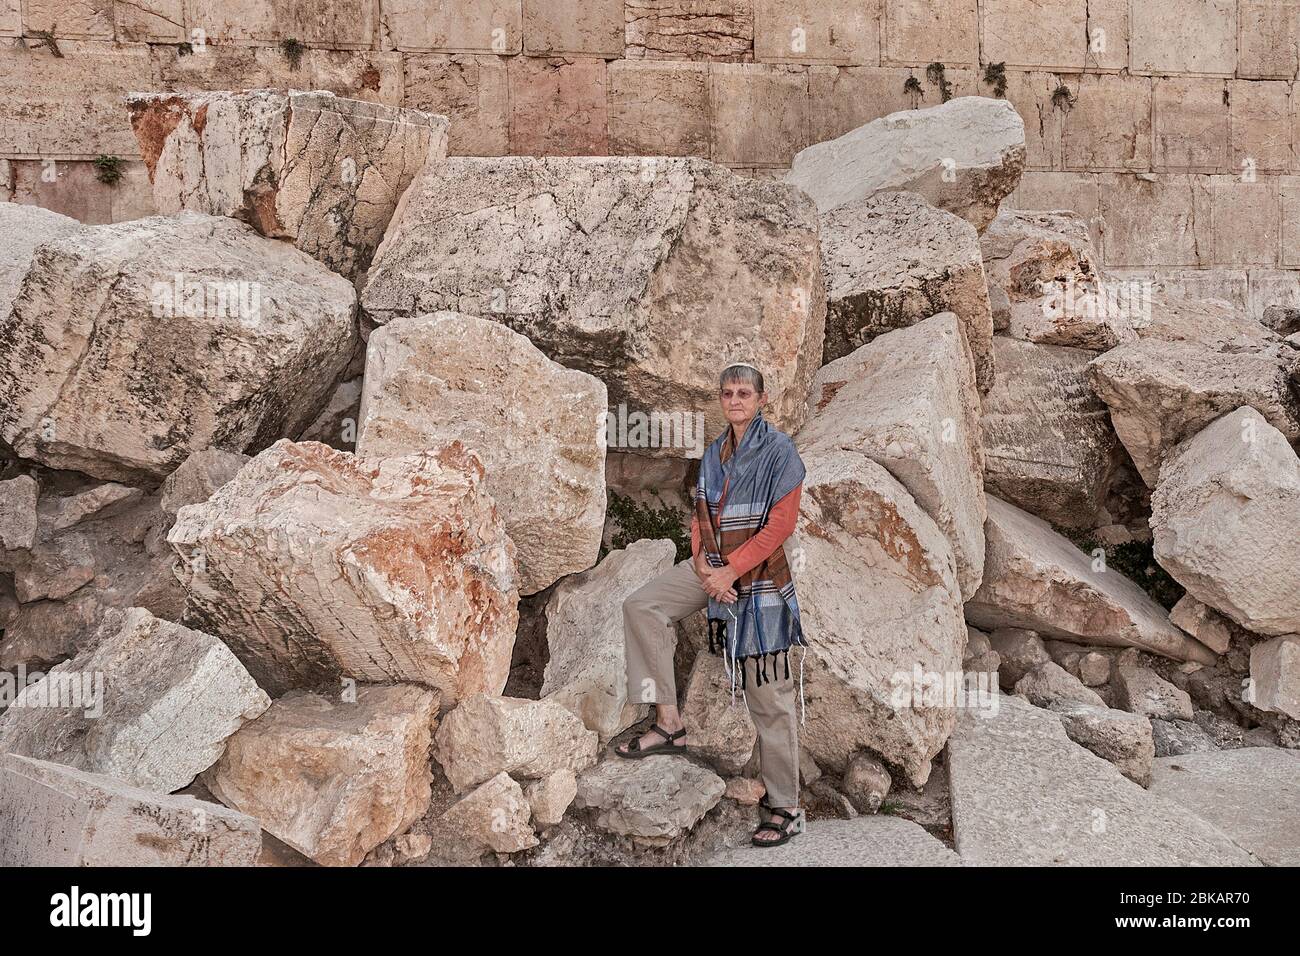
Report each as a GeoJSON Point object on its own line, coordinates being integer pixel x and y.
{"type": "Point", "coordinates": [303, 502]}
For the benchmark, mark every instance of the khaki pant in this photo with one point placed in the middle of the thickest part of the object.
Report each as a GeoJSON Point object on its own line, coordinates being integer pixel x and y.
{"type": "Point", "coordinates": [648, 617]}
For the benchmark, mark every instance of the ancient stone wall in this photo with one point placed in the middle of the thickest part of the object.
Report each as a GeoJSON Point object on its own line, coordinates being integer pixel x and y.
{"type": "Point", "coordinates": [1169, 124]}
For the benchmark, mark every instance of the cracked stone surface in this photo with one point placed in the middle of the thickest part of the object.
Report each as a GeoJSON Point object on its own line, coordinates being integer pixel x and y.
{"type": "Point", "coordinates": [168, 699]}
{"type": "Point", "coordinates": [893, 260]}
{"type": "Point", "coordinates": [602, 262]}
{"type": "Point", "coordinates": [314, 564]}
{"type": "Point", "coordinates": [1025, 794]}
{"type": "Point", "coordinates": [134, 345]}
{"type": "Point", "coordinates": [965, 156]}
{"type": "Point", "coordinates": [444, 377]}
{"type": "Point", "coordinates": [320, 171]}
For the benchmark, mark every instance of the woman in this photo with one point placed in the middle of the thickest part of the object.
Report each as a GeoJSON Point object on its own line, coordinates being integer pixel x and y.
{"type": "Point", "coordinates": [746, 504]}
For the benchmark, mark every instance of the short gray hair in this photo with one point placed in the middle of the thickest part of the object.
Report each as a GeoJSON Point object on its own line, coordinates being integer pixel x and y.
{"type": "Point", "coordinates": [741, 372]}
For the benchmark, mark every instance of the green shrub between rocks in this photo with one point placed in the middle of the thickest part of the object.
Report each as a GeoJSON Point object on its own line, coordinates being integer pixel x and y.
{"type": "Point", "coordinates": [635, 521]}
{"type": "Point", "coordinates": [1136, 560]}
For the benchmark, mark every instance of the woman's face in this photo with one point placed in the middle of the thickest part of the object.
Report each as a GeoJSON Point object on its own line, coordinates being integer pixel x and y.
{"type": "Point", "coordinates": [740, 402]}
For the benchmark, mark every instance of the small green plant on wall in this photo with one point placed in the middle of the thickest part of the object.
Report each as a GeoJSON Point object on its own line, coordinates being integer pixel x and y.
{"type": "Point", "coordinates": [635, 521]}
{"type": "Point", "coordinates": [912, 88]}
{"type": "Point", "coordinates": [1062, 98]}
{"type": "Point", "coordinates": [293, 51]}
{"type": "Point", "coordinates": [46, 38]}
{"type": "Point", "coordinates": [995, 75]}
{"type": "Point", "coordinates": [936, 74]}
{"type": "Point", "coordinates": [108, 170]}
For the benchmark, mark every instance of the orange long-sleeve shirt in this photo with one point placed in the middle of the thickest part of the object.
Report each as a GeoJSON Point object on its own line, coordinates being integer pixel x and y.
{"type": "Point", "coordinates": [780, 525]}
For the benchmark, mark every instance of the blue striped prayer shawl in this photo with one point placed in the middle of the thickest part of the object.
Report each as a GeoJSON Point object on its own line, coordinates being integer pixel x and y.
{"type": "Point", "coordinates": [764, 620]}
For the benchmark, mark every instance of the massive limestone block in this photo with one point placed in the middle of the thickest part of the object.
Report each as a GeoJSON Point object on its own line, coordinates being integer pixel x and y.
{"type": "Point", "coordinates": [18, 520]}
{"type": "Point", "coordinates": [132, 345]}
{"type": "Point", "coordinates": [1161, 393]}
{"type": "Point", "coordinates": [52, 815]}
{"type": "Point", "coordinates": [965, 156]}
{"type": "Point", "coordinates": [879, 600]}
{"type": "Point", "coordinates": [1226, 521]}
{"type": "Point", "coordinates": [653, 800]}
{"type": "Point", "coordinates": [718, 725]}
{"type": "Point", "coordinates": [1214, 324]}
{"type": "Point", "coordinates": [1025, 794]}
{"type": "Point", "coordinates": [314, 564]}
{"type": "Point", "coordinates": [493, 816]}
{"type": "Point", "coordinates": [151, 703]}
{"type": "Point", "coordinates": [24, 228]}
{"type": "Point", "coordinates": [649, 273]}
{"type": "Point", "coordinates": [908, 402]}
{"type": "Point", "coordinates": [587, 669]}
{"type": "Point", "coordinates": [322, 172]}
{"type": "Point", "coordinates": [1036, 579]}
{"type": "Point", "coordinates": [432, 379]}
{"type": "Point", "coordinates": [1049, 447]}
{"type": "Point", "coordinates": [333, 779]}
{"type": "Point", "coordinates": [529, 739]}
{"type": "Point", "coordinates": [1125, 739]}
{"type": "Point", "coordinates": [1044, 267]}
{"type": "Point", "coordinates": [893, 260]}
{"type": "Point", "coordinates": [1275, 669]}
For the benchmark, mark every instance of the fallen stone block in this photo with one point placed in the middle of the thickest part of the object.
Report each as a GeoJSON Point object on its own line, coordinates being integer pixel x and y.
{"type": "Point", "coordinates": [314, 564]}
{"type": "Point", "coordinates": [1044, 266]}
{"type": "Point", "coordinates": [1140, 690]}
{"type": "Point", "coordinates": [1123, 738]}
{"type": "Point", "coordinates": [52, 815]}
{"type": "Point", "coordinates": [653, 800]}
{"type": "Point", "coordinates": [892, 260]}
{"type": "Point", "coordinates": [1161, 393]}
{"type": "Point", "coordinates": [1250, 793]}
{"type": "Point", "coordinates": [604, 261]}
{"type": "Point", "coordinates": [1049, 447]}
{"type": "Point", "coordinates": [881, 606]}
{"type": "Point", "coordinates": [1037, 580]}
{"type": "Point", "coordinates": [320, 171]}
{"type": "Point", "coordinates": [1025, 794]}
{"type": "Point", "coordinates": [529, 739]}
{"type": "Point", "coordinates": [586, 672]}
{"type": "Point", "coordinates": [1275, 671]}
{"type": "Point", "coordinates": [908, 402]}
{"type": "Point", "coordinates": [136, 344]}
{"type": "Point", "coordinates": [494, 816]}
{"type": "Point", "coordinates": [965, 156]}
{"type": "Point", "coordinates": [25, 228]}
{"type": "Point", "coordinates": [433, 379]}
{"type": "Point", "coordinates": [333, 779]}
{"type": "Point", "coordinates": [151, 703]}
{"type": "Point", "coordinates": [1226, 522]}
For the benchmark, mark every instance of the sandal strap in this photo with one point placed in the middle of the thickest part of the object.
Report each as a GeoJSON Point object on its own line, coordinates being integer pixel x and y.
{"type": "Point", "coordinates": [769, 825]}
{"type": "Point", "coordinates": [668, 738]}
{"type": "Point", "coordinates": [783, 813]}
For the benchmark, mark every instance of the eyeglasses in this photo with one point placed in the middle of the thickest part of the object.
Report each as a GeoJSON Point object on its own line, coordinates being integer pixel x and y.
{"type": "Point", "coordinates": [741, 393]}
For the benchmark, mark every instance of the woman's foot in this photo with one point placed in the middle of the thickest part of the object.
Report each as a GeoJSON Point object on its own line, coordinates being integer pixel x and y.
{"type": "Point", "coordinates": [660, 738]}
{"type": "Point", "coordinates": [780, 827]}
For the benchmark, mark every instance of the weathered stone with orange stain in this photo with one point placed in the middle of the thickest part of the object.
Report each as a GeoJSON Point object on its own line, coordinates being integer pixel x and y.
{"type": "Point", "coordinates": [878, 594]}
{"type": "Point", "coordinates": [320, 171]}
{"type": "Point", "coordinates": [315, 565]}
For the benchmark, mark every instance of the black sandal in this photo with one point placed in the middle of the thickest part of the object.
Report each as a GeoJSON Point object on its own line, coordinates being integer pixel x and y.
{"type": "Point", "coordinates": [636, 752]}
{"type": "Point", "coordinates": [784, 828]}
